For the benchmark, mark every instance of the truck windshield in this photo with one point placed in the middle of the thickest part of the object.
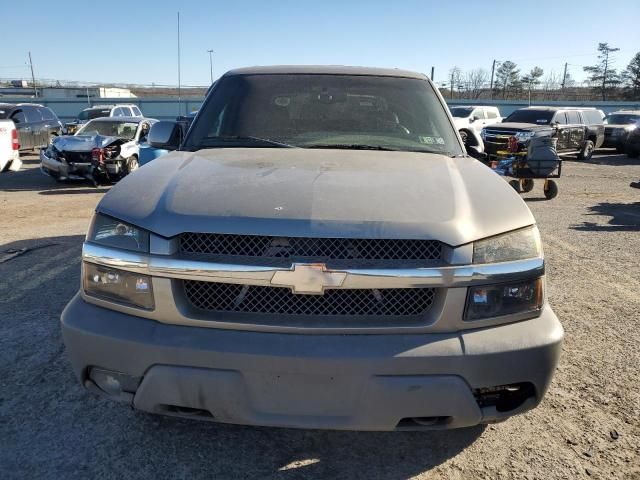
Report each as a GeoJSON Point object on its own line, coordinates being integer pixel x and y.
{"type": "Point", "coordinates": [323, 111]}
{"type": "Point", "coordinates": [125, 130]}
{"type": "Point", "coordinates": [622, 119]}
{"type": "Point", "coordinates": [538, 117]}
{"type": "Point", "coordinates": [461, 112]}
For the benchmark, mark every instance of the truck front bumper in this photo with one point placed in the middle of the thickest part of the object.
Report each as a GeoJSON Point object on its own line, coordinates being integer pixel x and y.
{"type": "Point", "coordinates": [353, 382]}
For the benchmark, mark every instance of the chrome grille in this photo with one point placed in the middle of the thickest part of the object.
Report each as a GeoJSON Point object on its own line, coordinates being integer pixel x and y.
{"type": "Point", "coordinates": [223, 297]}
{"type": "Point", "coordinates": [316, 248]}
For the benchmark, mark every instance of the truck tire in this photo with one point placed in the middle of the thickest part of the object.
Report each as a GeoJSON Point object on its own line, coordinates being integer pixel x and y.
{"type": "Point", "coordinates": [587, 151]}
{"type": "Point", "coordinates": [465, 137]}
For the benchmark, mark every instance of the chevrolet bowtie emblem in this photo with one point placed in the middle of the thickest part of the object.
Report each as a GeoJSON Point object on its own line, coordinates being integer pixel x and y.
{"type": "Point", "coordinates": [308, 278]}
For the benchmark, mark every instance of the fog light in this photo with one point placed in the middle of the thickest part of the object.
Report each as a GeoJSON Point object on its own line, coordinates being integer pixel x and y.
{"type": "Point", "coordinates": [118, 286]}
{"type": "Point", "coordinates": [489, 301]}
{"type": "Point", "coordinates": [114, 383]}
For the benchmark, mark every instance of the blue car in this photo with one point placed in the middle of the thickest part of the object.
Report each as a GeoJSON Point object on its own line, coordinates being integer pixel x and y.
{"type": "Point", "coordinates": [149, 153]}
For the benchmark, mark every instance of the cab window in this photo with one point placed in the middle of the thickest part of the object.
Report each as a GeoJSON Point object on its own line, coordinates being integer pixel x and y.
{"type": "Point", "coordinates": [574, 118]}
{"type": "Point", "coordinates": [478, 113]}
{"type": "Point", "coordinates": [19, 117]}
{"type": "Point", "coordinates": [33, 114]}
{"type": "Point", "coordinates": [560, 118]}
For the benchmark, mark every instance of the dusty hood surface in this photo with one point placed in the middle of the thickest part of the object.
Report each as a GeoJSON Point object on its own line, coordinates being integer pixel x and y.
{"type": "Point", "coordinates": [331, 193]}
{"type": "Point", "coordinates": [81, 143]}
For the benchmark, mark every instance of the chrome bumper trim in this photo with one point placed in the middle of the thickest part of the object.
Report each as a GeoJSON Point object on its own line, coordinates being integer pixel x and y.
{"type": "Point", "coordinates": [447, 276]}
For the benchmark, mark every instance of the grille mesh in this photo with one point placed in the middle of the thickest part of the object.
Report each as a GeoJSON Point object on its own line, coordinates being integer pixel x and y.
{"type": "Point", "coordinates": [224, 297]}
{"type": "Point", "coordinates": [318, 248]}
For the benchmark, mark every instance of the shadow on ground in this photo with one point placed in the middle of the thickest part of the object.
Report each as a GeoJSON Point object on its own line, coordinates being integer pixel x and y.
{"type": "Point", "coordinates": [624, 217]}
{"type": "Point", "coordinates": [608, 157]}
{"type": "Point", "coordinates": [32, 179]}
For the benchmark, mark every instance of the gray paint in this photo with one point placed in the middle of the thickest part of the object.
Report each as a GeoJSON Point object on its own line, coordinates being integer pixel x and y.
{"type": "Point", "coordinates": [363, 382]}
{"type": "Point", "coordinates": [331, 193]}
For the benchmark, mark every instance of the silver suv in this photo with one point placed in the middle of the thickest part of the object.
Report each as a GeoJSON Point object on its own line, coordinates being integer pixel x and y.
{"type": "Point", "coordinates": [317, 252]}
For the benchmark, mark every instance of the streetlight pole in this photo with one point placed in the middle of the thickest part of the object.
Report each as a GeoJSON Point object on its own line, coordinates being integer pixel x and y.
{"type": "Point", "coordinates": [211, 63]}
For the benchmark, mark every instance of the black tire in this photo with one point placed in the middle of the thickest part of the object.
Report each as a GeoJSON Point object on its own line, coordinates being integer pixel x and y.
{"type": "Point", "coordinates": [465, 137]}
{"type": "Point", "coordinates": [131, 164]}
{"type": "Point", "coordinates": [551, 190]}
{"type": "Point", "coordinates": [515, 184]}
{"type": "Point", "coordinates": [526, 184]}
{"type": "Point", "coordinates": [587, 150]}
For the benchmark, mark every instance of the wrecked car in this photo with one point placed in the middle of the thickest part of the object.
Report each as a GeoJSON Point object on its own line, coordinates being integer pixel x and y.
{"type": "Point", "coordinates": [104, 149]}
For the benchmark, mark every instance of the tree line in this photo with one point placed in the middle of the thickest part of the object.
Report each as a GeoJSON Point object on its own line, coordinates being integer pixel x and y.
{"type": "Point", "coordinates": [506, 81]}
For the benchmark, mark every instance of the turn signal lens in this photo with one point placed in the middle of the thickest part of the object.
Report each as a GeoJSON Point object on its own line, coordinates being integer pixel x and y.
{"type": "Point", "coordinates": [490, 301]}
{"type": "Point", "coordinates": [119, 286]}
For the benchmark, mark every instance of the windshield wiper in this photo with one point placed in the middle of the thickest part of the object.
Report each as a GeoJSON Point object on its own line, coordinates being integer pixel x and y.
{"type": "Point", "coordinates": [233, 138]}
{"type": "Point", "coordinates": [352, 146]}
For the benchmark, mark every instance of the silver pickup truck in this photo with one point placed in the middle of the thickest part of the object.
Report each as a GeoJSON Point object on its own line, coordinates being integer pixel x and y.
{"type": "Point", "coordinates": [318, 252]}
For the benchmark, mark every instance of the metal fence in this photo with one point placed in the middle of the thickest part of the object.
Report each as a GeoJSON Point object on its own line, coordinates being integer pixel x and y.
{"type": "Point", "coordinates": [167, 108]}
{"type": "Point", "coordinates": [162, 108]}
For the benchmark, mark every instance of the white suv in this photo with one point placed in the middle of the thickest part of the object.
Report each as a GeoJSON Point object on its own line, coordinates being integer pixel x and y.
{"type": "Point", "coordinates": [471, 119]}
{"type": "Point", "coordinates": [99, 111]}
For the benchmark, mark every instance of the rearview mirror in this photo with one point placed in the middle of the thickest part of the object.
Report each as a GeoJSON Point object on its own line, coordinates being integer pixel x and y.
{"type": "Point", "coordinates": [165, 135]}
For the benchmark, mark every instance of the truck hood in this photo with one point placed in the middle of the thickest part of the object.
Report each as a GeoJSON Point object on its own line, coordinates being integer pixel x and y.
{"type": "Point", "coordinates": [324, 193]}
{"type": "Point", "coordinates": [81, 143]}
{"type": "Point", "coordinates": [518, 126]}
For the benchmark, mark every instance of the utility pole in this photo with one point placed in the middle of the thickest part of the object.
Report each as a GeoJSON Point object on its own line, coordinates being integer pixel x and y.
{"type": "Point", "coordinates": [211, 64]}
{"type": "Point", "coordinates": [564, 77]}
{"type": "Point", "coordinates": [493, 69]}
{"type": "Point", "coordinates": [179, 73]}
{"type": "Point", "coordinates": [452, 84]}
{"type": "Point", "coordinates": [33, 77]}
{"type": "Point", "coordinates": [433, 72]}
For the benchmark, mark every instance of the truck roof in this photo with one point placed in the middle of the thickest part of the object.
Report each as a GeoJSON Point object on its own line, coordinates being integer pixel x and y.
{"type": "Point", "coordinates": [325, 70]}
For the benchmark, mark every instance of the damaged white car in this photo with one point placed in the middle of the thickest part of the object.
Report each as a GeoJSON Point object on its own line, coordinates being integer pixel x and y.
{"type": "Point", "coordinates": [104, 149]}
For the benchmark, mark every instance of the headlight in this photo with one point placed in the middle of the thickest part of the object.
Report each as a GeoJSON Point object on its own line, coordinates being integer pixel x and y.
{"type": "Point", "coordinates": [630, 128]}
{"type": "Point", "coordinates": [524, 136]}
{"type": "Point", "coordinates": [490, 301]}
{"type": "Point", "coordinates": [517, 245]}
{"type": "Point", "coordinates": [483, 133]}
{"type": "Point", "coordinates": [110, 232]}
{"type": "Point", "coordinates": [119, 286]}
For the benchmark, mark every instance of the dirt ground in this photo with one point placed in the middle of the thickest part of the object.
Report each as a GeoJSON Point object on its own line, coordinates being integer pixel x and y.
{"type": "Point", "coordinates": [588, 426]}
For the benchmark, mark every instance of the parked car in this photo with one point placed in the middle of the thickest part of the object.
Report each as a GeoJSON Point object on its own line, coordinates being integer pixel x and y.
{"type": "Point", "coordinates": [149, 153]}
{"type": "Point", "coordinates": [632, 144]}
{"type": "Point", "coordinates": [36, 125]}
{"type": "Point", "coordinates": [318, 252]}
{"type": "Point", "coordinates": [578, 130]}
{"type": "Point", "coordinates": [618, 126]}
{"type": "Point", "coordinates": [103, 149]}
{"type": "Point", "coordinates": [99, 111]}
{"type": "Point", "coordinates": [471, 119]}
{"type": "Point", "coordinates": [9, 147]}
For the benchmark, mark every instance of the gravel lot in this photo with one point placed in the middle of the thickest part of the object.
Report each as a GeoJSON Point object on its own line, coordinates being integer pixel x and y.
{"type": "Point", "coordinates": [587, 426]}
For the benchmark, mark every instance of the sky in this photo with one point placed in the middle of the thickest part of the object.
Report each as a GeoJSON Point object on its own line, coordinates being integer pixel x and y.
{"type": "Point", "coordinates": [136, 41]}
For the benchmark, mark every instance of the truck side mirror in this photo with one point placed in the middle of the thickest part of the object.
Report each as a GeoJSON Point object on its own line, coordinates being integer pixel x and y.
{"type": "Point", "coordinates": [164, 135]}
